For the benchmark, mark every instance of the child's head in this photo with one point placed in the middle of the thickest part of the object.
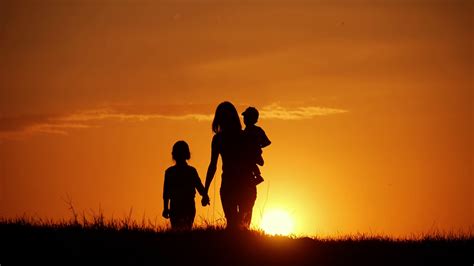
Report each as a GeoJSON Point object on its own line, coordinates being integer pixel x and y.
{"type": "Point", "coordinates": [180, 151]}
{"type": "Point", "coordinates": [250, 116]}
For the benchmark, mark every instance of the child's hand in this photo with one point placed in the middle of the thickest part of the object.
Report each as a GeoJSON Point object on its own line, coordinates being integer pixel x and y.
{"type": "Point", "coordinates": [166, 214]}
{"type": "Point", "coordinates": [205, 200]}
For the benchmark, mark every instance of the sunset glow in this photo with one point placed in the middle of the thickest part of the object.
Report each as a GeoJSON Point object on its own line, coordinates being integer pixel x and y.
{"type": "Point", "coordinates": [368, 106]}
{"type": "Point", "coordinates": [277, 222]}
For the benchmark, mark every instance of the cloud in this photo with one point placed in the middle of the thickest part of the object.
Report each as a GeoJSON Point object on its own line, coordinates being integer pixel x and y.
{"type": "Point", "coordinates": [41, 126]}
{"type": "Point", "coordinates": [111, 114]}
{"type": "Point", "coordinates": [276, 111]}
{"type": "Point", "coordinates": [20, 127]}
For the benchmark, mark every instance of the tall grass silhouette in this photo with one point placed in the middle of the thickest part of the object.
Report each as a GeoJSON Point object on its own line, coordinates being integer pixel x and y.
{"type": "Point", "coordinates": [95, 239]}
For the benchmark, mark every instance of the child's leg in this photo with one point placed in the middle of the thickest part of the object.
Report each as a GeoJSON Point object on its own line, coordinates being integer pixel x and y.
{"type": "Point", "coordinates": [182, 215]}
{"type": "Point", "coordinates": [176, 222]}
{"type": "Point", "coordinates": [189, 220]}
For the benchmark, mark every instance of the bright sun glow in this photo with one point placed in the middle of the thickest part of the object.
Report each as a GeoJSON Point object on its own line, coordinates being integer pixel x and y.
{"type": "Point", "coordinates": [277, 222]}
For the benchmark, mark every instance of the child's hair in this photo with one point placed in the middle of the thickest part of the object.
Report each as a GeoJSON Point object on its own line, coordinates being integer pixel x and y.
{"type": "Point", "coordinates": [181, 151]}
{"type": "Point", "coordinates": [251, 115]}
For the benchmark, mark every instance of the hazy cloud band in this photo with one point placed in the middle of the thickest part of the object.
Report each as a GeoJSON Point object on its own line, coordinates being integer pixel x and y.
{"type": "Point", "coordinates": [24, 126]}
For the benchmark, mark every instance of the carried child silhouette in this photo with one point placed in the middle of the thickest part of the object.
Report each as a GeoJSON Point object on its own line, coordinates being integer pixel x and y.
{"type": "Point", "coordinates": [257, 140]}
{"type": "Point", "coordinates": [179, 190]}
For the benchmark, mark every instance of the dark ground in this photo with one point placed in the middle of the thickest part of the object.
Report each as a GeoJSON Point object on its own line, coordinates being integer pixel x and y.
{"type": "Point", "coordinates": [26, 244]}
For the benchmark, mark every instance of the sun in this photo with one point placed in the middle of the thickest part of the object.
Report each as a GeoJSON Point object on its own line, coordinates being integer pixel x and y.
{"type": "Point", "coordinates": [277, 222]}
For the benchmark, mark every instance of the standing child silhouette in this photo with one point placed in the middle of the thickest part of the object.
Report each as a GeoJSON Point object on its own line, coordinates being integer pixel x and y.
{"type": "Point", "coordinates": [181, 182]}
{"type": "Point", "coordinates": [257, 140]}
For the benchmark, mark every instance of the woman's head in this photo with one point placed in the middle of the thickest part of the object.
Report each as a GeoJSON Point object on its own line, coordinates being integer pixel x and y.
{"type": "Point", "coordinates": [226, 118]}
{"type": "Point", "coordinates": [180, 151]}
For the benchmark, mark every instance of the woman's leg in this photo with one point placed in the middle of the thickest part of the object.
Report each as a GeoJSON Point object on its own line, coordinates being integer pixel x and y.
{"type": "Point", "coordinates": [246, 202]}
{"type": "Point", "coordinates": [229, 205]}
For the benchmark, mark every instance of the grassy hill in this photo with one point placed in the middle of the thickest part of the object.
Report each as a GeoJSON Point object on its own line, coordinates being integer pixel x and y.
{"type": "Point", "coordinates": [125, 243]}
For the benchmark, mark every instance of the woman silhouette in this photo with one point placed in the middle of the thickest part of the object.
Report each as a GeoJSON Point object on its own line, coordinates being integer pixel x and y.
{"type": "Point", "coordinates": [238, 192]}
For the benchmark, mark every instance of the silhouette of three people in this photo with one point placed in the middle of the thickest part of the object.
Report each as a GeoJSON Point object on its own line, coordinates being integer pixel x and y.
{"type": "Point", "coordinates": [240, 151]}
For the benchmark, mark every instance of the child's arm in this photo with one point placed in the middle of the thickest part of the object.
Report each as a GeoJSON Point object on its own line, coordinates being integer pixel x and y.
{"type": "Point", "coordinates": [166, 197]}
{"type": "Point", "coordinates": [198, 184]}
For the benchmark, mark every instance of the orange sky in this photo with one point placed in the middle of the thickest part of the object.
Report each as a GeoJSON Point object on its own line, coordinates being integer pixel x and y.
{"type": "Point", "coordinates": [368, 105]}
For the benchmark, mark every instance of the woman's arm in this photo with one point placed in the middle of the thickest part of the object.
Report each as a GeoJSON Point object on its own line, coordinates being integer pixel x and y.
{"type": "Point", "coordinates": [211, 170]}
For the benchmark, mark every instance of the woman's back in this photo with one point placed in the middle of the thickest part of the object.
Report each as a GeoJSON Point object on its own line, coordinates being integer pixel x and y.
{"type": "Point", "coordinates": [235, 161]}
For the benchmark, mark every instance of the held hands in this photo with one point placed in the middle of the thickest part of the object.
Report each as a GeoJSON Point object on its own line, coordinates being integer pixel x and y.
{"type": "Point", "coordinates": [205, 200]}
{"type": "Point", "coordinates": [166, 214]}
